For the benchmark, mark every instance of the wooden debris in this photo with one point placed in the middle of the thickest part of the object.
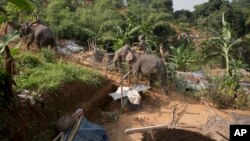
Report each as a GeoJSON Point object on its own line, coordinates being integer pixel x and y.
{"type": "Point", "coordinates": [59, 136]}
{"type": "Point", "coordinates": [209, 107]}
{"type": "Point", "coordinates": [222, 135]}
{"type": "Point", "coordinates": [74, 130]}
{"type": "Point", "coordinates": [143, 129]}
{"type": "Point", "coordinates": [173, 116]}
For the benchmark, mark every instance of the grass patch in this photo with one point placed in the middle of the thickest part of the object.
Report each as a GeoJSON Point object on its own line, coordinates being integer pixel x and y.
{"type": "Point", "coordinates": [42, 73]}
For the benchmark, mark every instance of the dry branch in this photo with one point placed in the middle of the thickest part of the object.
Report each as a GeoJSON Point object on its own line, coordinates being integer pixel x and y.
{"type": "Point", "coordinates": [222, 135]}
{"type": "Point", "coordinates": [173, 114]}
{"type": "Point", "coordinates": [58, 136]}
{"type": "Point", "coordinates": [209, 107]}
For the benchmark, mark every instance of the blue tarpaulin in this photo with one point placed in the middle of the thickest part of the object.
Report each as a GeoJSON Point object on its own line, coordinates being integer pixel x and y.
{"type": "Point", "coordinates": [88, 132]}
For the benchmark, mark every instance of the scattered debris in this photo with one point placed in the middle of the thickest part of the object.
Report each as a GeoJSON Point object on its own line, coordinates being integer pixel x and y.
{"type": "Point", "coordinates": [117, 95]}
{"type": "Point", "coordinates": [25, 95]}
{"type": "Point", "coordinates": [69, 47]}
{"type": "Point", "coordinates": [191, 80]}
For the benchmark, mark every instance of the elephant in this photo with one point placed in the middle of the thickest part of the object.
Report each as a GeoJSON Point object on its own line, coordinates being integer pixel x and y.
{"type": "Point", "coordinates": [42, 34]}
{"type": "Point", "coordinates": [120, 54]}
{"type": "Point", "coordinates": [148, 65]}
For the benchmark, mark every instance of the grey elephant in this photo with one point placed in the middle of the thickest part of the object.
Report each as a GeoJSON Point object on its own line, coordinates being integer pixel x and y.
{"type": "Point", "coordinates": [42, 34]}
{"type": "Point", "coordinates": [120, 54]}
{"type": "Point", "coordinates": [149, 65]}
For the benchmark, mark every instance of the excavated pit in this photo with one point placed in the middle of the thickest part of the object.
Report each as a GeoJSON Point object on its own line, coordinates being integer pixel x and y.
{"type": "Point", "coordinates": [38, 122]}
{"type": "Point", "coordinates": [165, 134]}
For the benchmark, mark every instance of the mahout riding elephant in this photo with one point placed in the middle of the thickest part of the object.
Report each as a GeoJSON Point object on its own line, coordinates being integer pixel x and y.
{"type": "Point", "coordinates": [120, 54]}
{"type": "Point", "coordinates": [141, 46]}
{"type": "Point", "coordinates": [39, 32]}
{"type": "Point", "coordinates": [149, 65]}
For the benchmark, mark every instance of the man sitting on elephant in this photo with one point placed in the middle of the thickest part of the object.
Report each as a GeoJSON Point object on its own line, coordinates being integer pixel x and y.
{"type": "Point", "coordinates": [120, 54]}
{"type": "Point", "coordinates": [141, 48]}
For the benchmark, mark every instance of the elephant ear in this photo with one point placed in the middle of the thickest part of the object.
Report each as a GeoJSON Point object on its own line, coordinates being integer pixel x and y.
{"type": "Point", "coordinates": [129, 56]}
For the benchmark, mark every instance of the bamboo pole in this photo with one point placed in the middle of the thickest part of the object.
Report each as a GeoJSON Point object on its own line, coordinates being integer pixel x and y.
{"type": "Point", "coordinates": [143, 129]}
{"type": "Point", "coordinates": [74, 130]}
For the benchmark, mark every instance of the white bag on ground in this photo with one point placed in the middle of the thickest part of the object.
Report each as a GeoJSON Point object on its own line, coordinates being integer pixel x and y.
{"type": "Point", "coordinates": [134, 97]}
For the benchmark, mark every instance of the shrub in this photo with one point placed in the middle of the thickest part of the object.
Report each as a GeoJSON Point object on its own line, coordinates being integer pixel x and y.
{"type": "Point", "coordinates": [48, 55]}
{"type": "Point", "coordinates": [29, 60]}
{"type": "Point", "coordinates": [225, 92]}
{"type": "Point", "coordinates": [41, 76]}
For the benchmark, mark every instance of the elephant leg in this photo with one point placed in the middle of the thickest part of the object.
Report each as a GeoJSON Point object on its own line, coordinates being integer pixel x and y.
{"type": "Point", "coordinates": [30, 40]}
{"type": "Point", "coordinates": [150, 80]}
{"type": "Point", "coordinates": [29, 43]}
{"type": "Point", "coordinates": [38, 45]}
{"type": "Point", "coordinates": [115, 60]}
{"type": "Point", "coordinates": [136, 76]}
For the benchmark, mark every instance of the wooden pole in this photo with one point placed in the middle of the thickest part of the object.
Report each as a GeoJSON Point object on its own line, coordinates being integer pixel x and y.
{"type": "Point", "coordinates": [106, 62]}
{"type": "Point", "coordinates": [75, 128]}
{"type": "Point", "coordinates": [143, 129]}
{"type": "Point", "coordinates": [121, 83]}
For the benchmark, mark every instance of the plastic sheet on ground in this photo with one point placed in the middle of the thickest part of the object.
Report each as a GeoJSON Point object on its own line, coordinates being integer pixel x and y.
{"type": "Point", "coordinates": [69, 47]}
{"type": "Point", "coordinates": [88, 132]}
{"type": "Point", "coordinates": [117, 95]}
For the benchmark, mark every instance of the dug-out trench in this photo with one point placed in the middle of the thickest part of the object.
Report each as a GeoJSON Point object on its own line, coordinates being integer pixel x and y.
{"type": "Point", "coordinates": [24, 122]}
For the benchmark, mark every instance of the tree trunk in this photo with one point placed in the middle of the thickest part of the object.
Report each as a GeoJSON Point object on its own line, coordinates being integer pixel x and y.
{"type": "Point", "coordinates": [8, 64]}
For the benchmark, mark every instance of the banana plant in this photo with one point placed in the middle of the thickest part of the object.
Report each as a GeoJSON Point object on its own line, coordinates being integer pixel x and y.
{"type": "Point", "coordinates": [181, 57]}
{"type": "Point", "coordinates": [225, 43]}
{"type": "Point", "coordinates": [6, 39]}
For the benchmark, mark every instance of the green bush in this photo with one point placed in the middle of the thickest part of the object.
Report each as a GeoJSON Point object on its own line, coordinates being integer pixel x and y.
{"type": "Point", "coordinates": [48, 55]}
{"type": "Point", "coordinates": [225, 92]}
{"type": "Point", "coordinates": [29, 60]}
{"type": "Point", "coordinates": [40, 74]}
